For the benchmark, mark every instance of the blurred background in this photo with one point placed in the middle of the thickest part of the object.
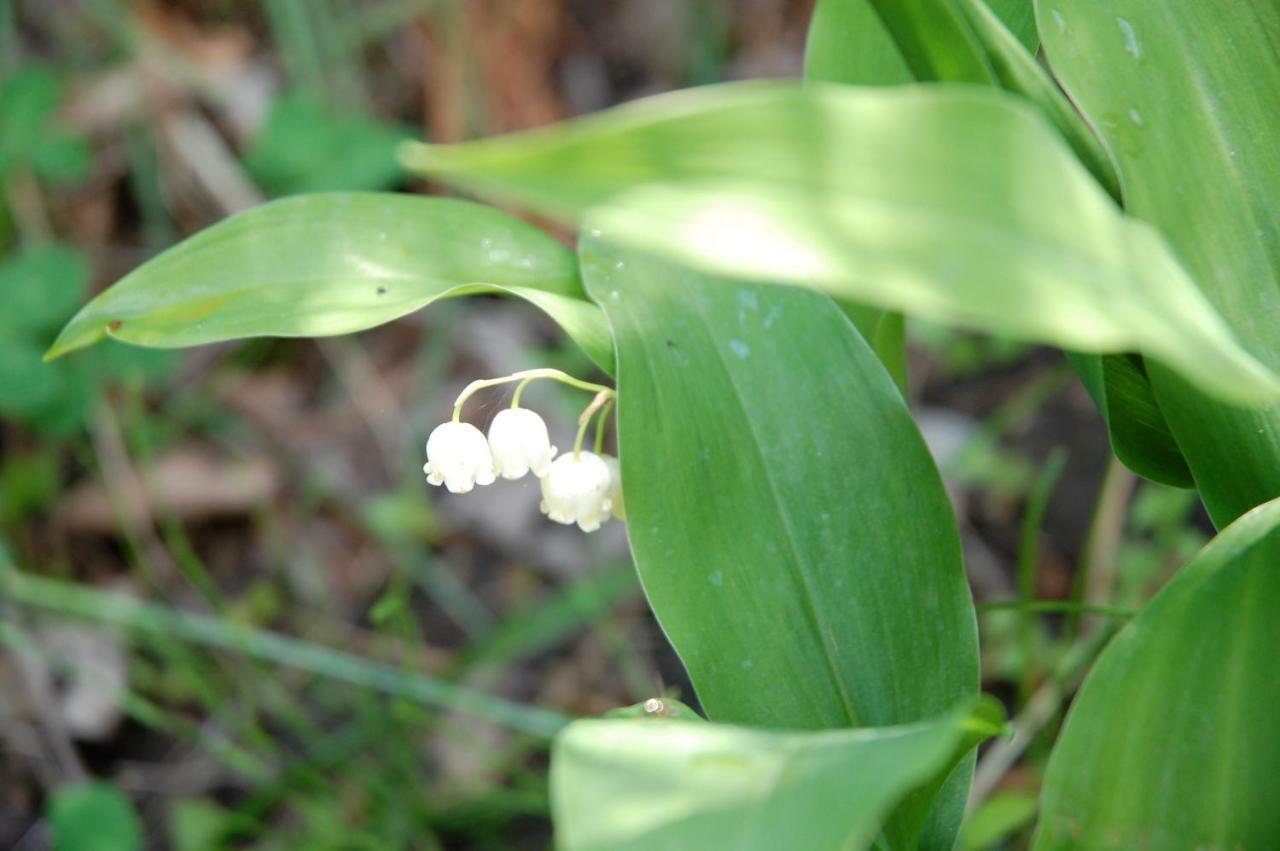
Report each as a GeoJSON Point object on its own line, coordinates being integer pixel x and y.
{"type": "Point", "coordinates": [232, 612]}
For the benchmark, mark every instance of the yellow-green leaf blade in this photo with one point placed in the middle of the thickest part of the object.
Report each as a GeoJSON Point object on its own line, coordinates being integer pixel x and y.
{"type": "Point", "coordinates": [635, 785]}
{"type": "Point", "coordinates": [333, 263]}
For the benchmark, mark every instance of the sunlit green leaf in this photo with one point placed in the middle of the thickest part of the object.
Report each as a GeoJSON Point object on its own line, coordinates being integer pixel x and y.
{"type": "Point", "coordinates": [790, 528]}
{"type": "Point", "coordinates": [637, 785]}
{"type": "Point", "coordinates": [1172, 741]}
{"type": "Point", "coordinates": [333, 263]}
{"type": "Point", "coordinates": [927, 200]}
{"type": "Point", "coordinates": [1186, 94]}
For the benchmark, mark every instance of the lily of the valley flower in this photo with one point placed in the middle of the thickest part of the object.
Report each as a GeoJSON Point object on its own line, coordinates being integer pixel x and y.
{"type": "Point", "coordinates": [519, 443]}
{"type": "Point", "coordinates": [576, 490]}
{"type": "Point", "coordinates": [458, 456]}
{"type": "Point", "coordinates": [615, 486]}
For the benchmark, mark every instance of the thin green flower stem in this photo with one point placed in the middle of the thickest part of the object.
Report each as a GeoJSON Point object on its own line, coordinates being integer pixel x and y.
{"type": "Point", "coordinates": [584, 419]}
{"type": "Point", "coordinates": [523, 375]}
{"type": "Point", "coordinates": [600, 424]}
{"type": "Point", "coordinates": [515, 397]}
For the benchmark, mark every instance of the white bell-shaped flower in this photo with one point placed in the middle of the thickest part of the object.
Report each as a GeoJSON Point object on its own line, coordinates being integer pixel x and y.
{"type": "Point", "coordinates": [576, 490]}
{"type": "Point", "coordinates": [615, 486]}
{"type": "Point", "coordinates": [519, 443]}
{"type": "Point", "coordinates": [458, 457]}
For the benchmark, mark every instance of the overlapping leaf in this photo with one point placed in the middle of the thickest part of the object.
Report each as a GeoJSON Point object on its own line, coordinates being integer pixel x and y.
{"type": "Point", "coordinates": [1186, 94]}
{"type": "Point", "coordinates": [636, 785]}
{"type": "Point", "coordinates": [927, 200]}
{"type": "Point", "coordinates": [789, 526]}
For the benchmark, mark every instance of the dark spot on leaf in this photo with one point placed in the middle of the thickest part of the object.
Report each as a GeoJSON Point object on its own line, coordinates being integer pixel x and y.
{"type": "Point", "coordinates": [114, 324]}
{"type": "Point", "coordinates": [382, 290]}
{"type": "Point", "coordinates": [670, 344]}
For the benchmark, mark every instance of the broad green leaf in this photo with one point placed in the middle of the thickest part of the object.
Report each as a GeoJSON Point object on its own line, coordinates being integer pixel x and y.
{"type": "Point", "coordinates": [639, 785]}
{"type": "Point", "coordinates": [1138, 431]}
{"type": "Point", "coordinates": [789, 526]}
{"type": "Point", "coordinates": [325, 264]}
{"type": "Point", "coordinates": [1172, 741]}
{"type": "Point", "coordinates": [93, 817]}
{"type": "Point", "coordinates": [924, 199]}
{"type": "Point", "coordinates": [1186, 95]}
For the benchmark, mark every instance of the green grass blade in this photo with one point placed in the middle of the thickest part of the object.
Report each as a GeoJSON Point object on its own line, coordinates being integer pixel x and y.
{"type": "Point", "coordinates": [136, 615]}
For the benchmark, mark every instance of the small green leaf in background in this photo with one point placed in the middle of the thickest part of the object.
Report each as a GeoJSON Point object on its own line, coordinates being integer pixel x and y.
{"type": "Point", "coordinates": [925, 200]}
{"type": "Point", "coordinates": [93, 816]}
{"type": "Point", "coordinates": [997, 819]}
{"type": "Point", "coordinates": [40, 289]}
{"type": "Point", "coordinates": [29, 137]}
{"type": "Point", "coordinates": [787, 521]}
{"type": "Point", "coordinates": [333, 263]}
{"type": "Point", "coordinates": [1172, 741]}
{"type": "Point", "coordinates": [638, 785]}
{"type": "Point", "coordinates": [306, 147]}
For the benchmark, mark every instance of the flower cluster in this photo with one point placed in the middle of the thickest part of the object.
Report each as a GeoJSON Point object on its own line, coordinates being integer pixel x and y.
{"type": "Point", "coordinates": [578, 487]}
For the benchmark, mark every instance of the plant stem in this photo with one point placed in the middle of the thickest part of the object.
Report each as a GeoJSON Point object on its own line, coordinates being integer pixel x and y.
{"type": "Point", "coordinates": [524, 376]}
{"type": "Point", "coordinates": [600, 424]}
{"type": "Point", "coordinates": [584, 419]}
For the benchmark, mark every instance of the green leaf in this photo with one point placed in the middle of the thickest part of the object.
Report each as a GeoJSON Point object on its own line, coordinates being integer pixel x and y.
{"type": "Point", "coordinates": [93, 817]}
{"type": "Point", "coordinates": [935, 40]}
{"type": "Point", "coordinates": [27, 102]}
{"type": "Point", "coordinates": [1016, 70]}
{"type": "Point", "coordinates": [40, 288]}
{"type": "Point", "coordinates": [305, 147]}
{"type": "Point", "coordinates": [325, 264]}
{"type": "Point", "coordinates": [926, 200]}
{"type": "Point", "coordinates": [1140, 435]}
{"type": "Point", "coordinates": [1019, 17]}
{"type": "Point", "coordinates": [848, 43]}
{"type": "Point", "coordinates": [28, 386]}
{"type": "Point", "coordinates": [1172, 741]}
{"type": "Point", "coordinates": [996, 819]}
{"type": "Point", "coordinates": [789, 526]}
{"type": "Point", "coordinates": [637, 785]}
{"type": "Point", "coordinates": [1185, 94]}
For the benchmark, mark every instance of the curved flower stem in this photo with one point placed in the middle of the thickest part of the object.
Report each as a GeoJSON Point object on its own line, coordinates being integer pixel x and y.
{"type": "Point", "coordinates": [524, 376]}
{"type": "Point", "coordinates": [600, 424]}
{"type": "Point", "coordinates": [603, 398]}
{"type": "Point", "coordinates": [515, 397]}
